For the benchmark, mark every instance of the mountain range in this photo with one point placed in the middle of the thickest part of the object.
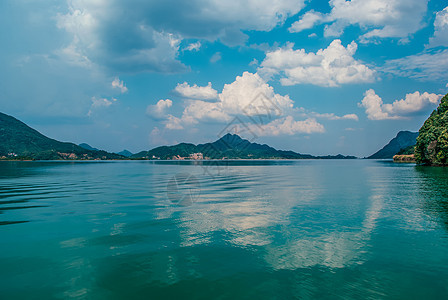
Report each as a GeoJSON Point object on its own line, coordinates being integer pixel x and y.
{"type": "Point", "coordinates": [230, 146]}
{"type": "Point", "coordinates": [124, 153]}
{"type": "Point", "coordinates": [19, 141]}
{"type": "Point", "coordinates": [403, 141]}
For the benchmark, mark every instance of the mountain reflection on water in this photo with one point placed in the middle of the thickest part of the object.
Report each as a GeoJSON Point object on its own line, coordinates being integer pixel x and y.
{"type": "Point", "coordinates": [272, 229]}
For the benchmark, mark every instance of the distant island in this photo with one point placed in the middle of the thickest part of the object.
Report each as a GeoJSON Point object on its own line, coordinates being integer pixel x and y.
{"type": "Point", "coordinates": [18, 141]}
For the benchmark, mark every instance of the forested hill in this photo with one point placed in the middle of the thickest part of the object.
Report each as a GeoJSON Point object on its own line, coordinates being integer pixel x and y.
{"type": "Point", "coordinates": [432, 141]}
{"type": "Point", "coordinates": [18, 140]}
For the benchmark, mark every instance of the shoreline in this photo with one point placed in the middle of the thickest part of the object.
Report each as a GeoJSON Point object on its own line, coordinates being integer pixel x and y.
{"type": "Point", "coordinates": [181, 160]}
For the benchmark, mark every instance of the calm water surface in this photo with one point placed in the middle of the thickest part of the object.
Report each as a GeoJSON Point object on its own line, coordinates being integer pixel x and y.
{"type": "Point", "coordinates": [245, 230]}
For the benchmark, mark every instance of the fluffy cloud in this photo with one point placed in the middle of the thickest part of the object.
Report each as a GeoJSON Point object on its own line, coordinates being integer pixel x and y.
{"type": "Point", "coordinates": [249, 94]}
{"type": "Point", "coordinates": [413, 103]}
{"type": "Point", "coordinates": [287, 126]}
{"type": "Point", "coordinates": [201, 110]}
{"type": "Point", "coordinates": [380, 18]}
{"type": "Point", "coordinates": [173, 123]}
{"type": "Point", "coordinates": [196, 92]}
{"type": "Point", "coordinates": [330, 67]}
{"type": "Point", "coordinates": [252, 101]}
{"type": "Point", "coordinates": [118, 84]}
{"type": "Point", "coordinates": [136, 36]}
{"type": "Point", "coordinates": [261, 15]}
{"type": "Point", "coordinates": [99, 103]}
{"type": "Point", "coordinates": [426, 66]}
{"type": "Point", "coordinates": [158, 111]}
{"type": "Point", "coordinates": [397, 18]}
{"type": "Point", "coordinates": [440, 37]}
{"type": "Point", "coordinates": [308, 20]}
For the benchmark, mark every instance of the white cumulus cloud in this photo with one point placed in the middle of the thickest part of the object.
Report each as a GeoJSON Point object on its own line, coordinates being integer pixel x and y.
{"type": "Point", "coordinates": [440, 37]}
{"type": "Point", "coordinates": [308, 20]}
{"type": "Point", "coordinates": [253, 15]}
{"type": "Point", "coordinates": [287, 126]}
{"type": "Point", "coordinates": [329, 67]}
{"type": "Point", "coordinates": [249, 99]}
{"type": "Point", "coordinates": [413, 103]}
{"type": "Point", "coordinates": [378, 18]}
{"type": "Point", "coordinates": [158, 111]}
{"type": "Point", "coordinates": [118, 84]}
{"type": "Point", "coordinates": [202, 110]}
{"type": "Point", "coordinates": [249, 94]}
{"type": "Point", "coordinates": [383, 18]}
{"type": "Point", "coordinates": [173, 123]}
{"type": "Point", "coordinates": [196, 92]}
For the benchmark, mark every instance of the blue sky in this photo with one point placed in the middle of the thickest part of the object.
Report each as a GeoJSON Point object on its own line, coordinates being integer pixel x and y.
{"type": "Point", "coordinates": [319, 77]}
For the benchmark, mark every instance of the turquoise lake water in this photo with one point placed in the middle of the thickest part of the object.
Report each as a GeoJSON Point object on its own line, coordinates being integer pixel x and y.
{"type": "Point", "coordinates": [307, 229]}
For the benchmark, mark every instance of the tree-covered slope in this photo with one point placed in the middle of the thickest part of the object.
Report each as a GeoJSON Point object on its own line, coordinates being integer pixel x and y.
{"type": "Point", "coordinates": [407, 151]}
{"type": "Point", "coordinates": [403, 140]}
{"type": "Point", "coordinates": [19, 139]}
{"type": "Point", "coordinates": [432, 141]}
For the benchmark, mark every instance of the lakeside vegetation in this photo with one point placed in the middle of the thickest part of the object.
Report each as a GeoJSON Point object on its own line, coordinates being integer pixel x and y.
{"type": "Point", "coordinates": [432, 141]}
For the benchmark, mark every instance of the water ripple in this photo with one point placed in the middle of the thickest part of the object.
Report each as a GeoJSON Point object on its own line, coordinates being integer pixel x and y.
{"type": "Point", "coordinates": [266, 229]}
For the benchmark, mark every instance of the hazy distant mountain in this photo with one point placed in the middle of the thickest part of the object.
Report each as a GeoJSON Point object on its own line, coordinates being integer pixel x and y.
{"type": "Point", "coordinates": [21, 141]}
{"type": "Point", "coordinates": [403, 140]}
{"type": "Point", "coordinates": [88, 147]}
{"type": "Point", "coordinates": [230, 146]}
{"type": "Point", "coordinates": [125, 153]}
